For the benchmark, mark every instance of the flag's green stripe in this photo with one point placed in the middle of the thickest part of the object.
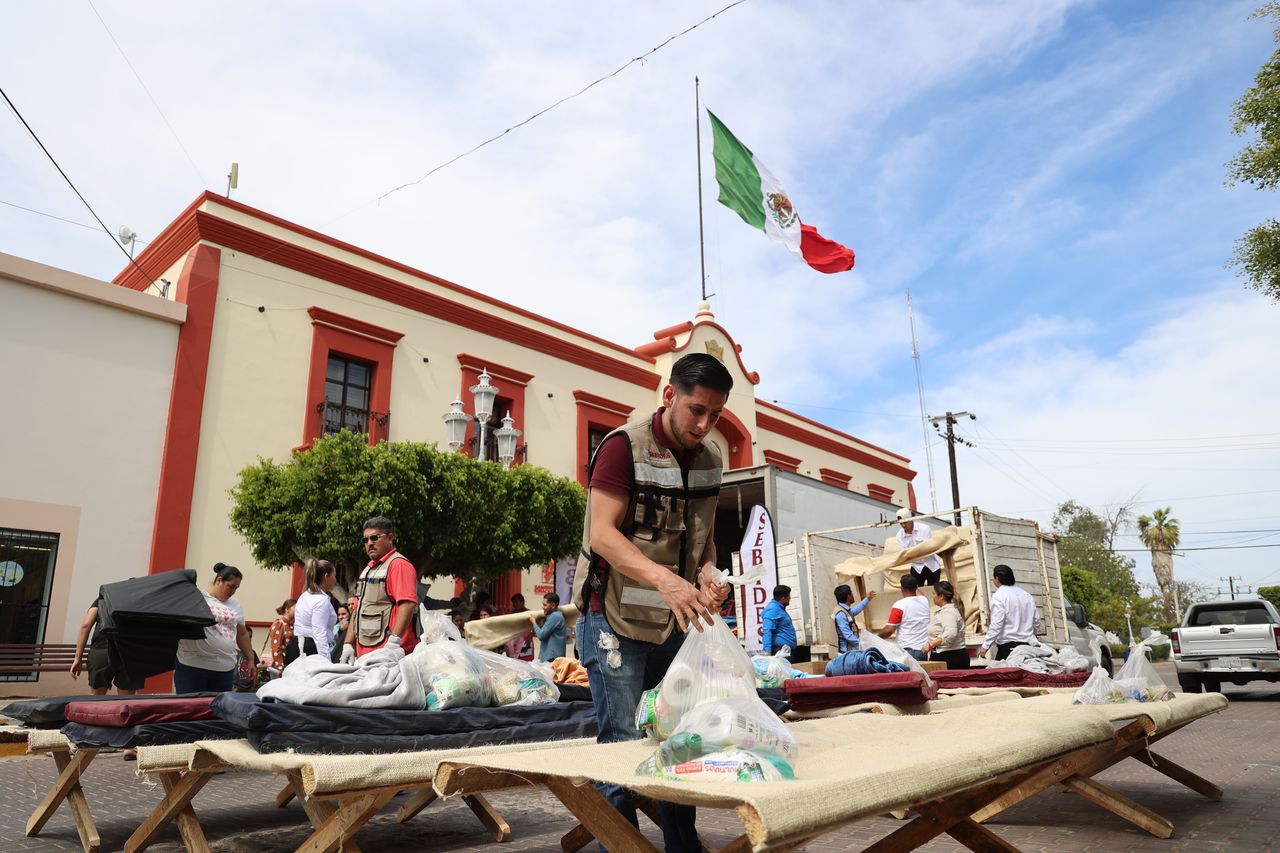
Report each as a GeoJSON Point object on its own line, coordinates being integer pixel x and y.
{"type": "Point", "coordinates": [737, 175]}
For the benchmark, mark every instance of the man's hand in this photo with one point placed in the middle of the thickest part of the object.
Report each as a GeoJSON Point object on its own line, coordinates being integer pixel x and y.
{"type": "Point", "coordinates": [687, 602]}
{"type": "Point", "coordinates": [872, 595]}
{"type": "Point", "coordinates": [75, 668]}
{"type": "Point", "coordinates": [983, 653]}
{"type": "Point", "coordinates": [393, 640]}
{"type": "Point", "coordinates": [533, 618]}
{"type": "Point", "coordinates": [710, 588]}
{"type": "Point", "coordinates": [348, 654]}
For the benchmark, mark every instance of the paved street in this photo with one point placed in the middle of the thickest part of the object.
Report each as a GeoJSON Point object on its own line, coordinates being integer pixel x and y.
{"type": "Point", "coordinates": [1238, 749]}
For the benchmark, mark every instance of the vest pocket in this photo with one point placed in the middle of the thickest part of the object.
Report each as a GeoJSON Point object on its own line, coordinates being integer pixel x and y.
{"type": "Point", "coordinates": [371, 627]}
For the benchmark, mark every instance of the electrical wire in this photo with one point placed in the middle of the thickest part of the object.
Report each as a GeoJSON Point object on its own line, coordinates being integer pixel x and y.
{"type": "Point", "coordinates": [641, 58]}
{"type": "Point", "coordinates": [151, 97]}
{"type": "Point", "coordinates": [60, 218]}
{"type": "Point", "coordinates": [88, 206]}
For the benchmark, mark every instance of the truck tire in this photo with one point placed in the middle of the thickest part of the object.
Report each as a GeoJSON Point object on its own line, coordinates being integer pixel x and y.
{"type": "Point", "coordinates": [1189, 683]}
{"type": "Point", "coordinates": [1106, 663]}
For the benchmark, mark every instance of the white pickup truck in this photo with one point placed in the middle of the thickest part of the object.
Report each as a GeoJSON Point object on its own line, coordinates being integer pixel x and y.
{"type": "Point", "coordinates": [1232, 641]}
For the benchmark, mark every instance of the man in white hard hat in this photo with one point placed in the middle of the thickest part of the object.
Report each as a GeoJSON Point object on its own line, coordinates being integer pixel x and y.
{"type": "Point", "coordinates": [911, 533]}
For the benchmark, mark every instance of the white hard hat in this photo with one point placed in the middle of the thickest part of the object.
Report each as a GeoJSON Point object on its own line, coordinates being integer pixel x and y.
{"type": "Point", "coordinates": [905, 514]}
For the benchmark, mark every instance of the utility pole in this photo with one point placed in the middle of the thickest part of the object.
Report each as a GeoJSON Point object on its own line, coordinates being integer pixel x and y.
{"type": "Point", "coordinates": [1231, 584]}
{"type": "Point", "coordinates": [952, 438]}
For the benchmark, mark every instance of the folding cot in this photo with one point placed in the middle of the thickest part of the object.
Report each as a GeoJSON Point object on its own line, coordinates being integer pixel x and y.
{"type": "Point", "coordinates": [1138, 726]}
{"type": "Point", "coordinates": [947, 766]}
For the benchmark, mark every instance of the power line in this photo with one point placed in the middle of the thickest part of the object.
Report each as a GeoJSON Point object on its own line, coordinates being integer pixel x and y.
{"type": "Point", "coordinates": [60, 218]}
{"type": "Point", "coordinates": [641, 58]}
{"type": "Point", "coordinates": [105, 229]}
{"type": "Point", "coordinates": [1199, 548]}
{"type": "Point", "coordinates": [151, 97]}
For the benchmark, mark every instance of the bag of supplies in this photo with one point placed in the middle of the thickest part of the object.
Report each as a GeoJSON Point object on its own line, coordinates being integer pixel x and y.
{"type": "Point", "coordinates": [710, 665]}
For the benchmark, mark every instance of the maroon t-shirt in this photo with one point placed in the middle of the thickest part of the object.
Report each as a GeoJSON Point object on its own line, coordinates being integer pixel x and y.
{"type": "Point", "coordinates": [614, 470]}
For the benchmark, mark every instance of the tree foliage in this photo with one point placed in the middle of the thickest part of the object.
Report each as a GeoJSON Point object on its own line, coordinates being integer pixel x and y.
{"type": "Point", "coordinates": [1093, 575]}
{"type": "Point", "coordinates": [452, 514]}
{"type": "Point", "coordinates": [1257, 113]}
{"type": "Point", "coordinates": [1270, 593]}
{"type": "Point", "coordinates": [1160, 534]}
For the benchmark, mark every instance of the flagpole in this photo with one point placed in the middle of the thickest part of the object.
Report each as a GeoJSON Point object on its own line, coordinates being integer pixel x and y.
{"type": "Point", "coordinates": [697, 123]}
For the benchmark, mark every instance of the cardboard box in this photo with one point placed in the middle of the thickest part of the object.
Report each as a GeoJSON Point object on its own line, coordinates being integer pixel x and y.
{"type": "Point", "coordinates": [931, 665]}
{"type": "Point", "coordinates": [813, 667]}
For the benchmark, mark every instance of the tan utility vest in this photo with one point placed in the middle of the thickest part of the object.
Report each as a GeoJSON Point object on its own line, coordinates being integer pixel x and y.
{"type": "Point", "coordinates": [373, 616]}
{"type": "Point", "coordinates": [668, 519]}
{"type": "Point", "coordinates": [835, 617]}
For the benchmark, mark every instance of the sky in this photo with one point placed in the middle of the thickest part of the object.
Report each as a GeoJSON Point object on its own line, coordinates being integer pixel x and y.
{"type": "Point", "coordinates": [1045, 178]}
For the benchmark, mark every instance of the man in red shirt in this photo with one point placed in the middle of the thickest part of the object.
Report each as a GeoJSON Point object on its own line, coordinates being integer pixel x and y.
{"type": "Point", "coordinates": [388, 596]}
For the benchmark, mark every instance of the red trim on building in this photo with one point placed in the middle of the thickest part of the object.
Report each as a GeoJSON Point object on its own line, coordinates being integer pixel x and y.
{"type": "Point", "coordinates": [752, 376]}
{"type": "Point", "coordinates": [657, 348]}
{"type": "Point", "coordinates": [198, 289]}
{"type": "Point", "coordinates": [193, 225]}
{"type": "Point", "coordinates": [677, 329]}
{"type": "Point", "coordinates": [835, 478]}
{"type": "Point", "coordinates": [737, 435]}
{"type": "Point", "coordinates": [510, 393]}
{"type": "Point", "coordinates": [880, 493]}
{"type": "Point", "coordinates": [297, 580]}
{"type": "Point", "coordinates": [783, 461]}
{"type": "Point", "coordinates": [497, 371]}
{"type": "Point", "coordinates": [505, 586]}
{"type": "Point", "coordinates": [821, 442]}
{"type": "Point", "coordinates": [832, 430]}
{"type": "Point", "coordinates": [351, 324]}
{"type": "Point", "coordinates": [911, 496]}
{"type": "Point", "coordinates": [599, 413]}
{"type": "Point", "coordinates": [331, 335]}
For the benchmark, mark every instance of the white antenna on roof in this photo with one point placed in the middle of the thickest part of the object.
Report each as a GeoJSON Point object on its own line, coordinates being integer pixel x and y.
{"type": "Point", "coordinates": [127, 237]}
{"type": "Point", "coordinates": [924, 419]}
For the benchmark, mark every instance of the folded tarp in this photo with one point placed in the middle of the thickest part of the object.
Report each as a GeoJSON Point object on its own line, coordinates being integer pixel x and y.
{"type": "Point", "coordinates": [123, 713]}
{"type": "Point", "coordinates": [148, 734]}
{"type": "Point", "coordinates": [892, 688]}
{"type": "Point", "coordinates": [49, 712]}
{"type": "Point", "coordinates": [143, 619]}
{"type": "Point", "coordinates": [350, 743]}
{"type": "Point", "coordinates": [249, 714]}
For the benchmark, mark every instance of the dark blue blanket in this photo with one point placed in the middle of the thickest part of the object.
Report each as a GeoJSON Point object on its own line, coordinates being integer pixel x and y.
{"type": "Point", "coordinates": [862, 662]}
{"type": "Point", "coordinates": [150, 734]}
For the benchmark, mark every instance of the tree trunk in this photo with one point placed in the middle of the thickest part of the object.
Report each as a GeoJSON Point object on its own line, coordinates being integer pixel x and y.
{"type": "Point", "coordinates": [1162, 567]}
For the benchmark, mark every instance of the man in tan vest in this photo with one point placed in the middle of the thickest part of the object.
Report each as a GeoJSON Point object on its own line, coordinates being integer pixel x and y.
{"type": "Point", "coordinates": [648, 558]}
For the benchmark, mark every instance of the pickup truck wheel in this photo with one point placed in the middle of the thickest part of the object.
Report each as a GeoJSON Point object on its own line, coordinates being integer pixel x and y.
{"type": "Point", "coordinates": [1189, 683]}
{"type": "Point", "coordinates": [1106, 663]}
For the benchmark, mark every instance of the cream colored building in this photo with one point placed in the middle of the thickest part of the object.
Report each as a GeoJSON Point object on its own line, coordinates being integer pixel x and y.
{"type": "Point", "coordinates": [273, 308]}
{"type": "Point", "coordinates": [86, 371]}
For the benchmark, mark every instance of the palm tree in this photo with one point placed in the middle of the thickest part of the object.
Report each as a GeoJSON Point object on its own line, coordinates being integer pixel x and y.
{"type": "Point", "coordinates": [1159, 533]}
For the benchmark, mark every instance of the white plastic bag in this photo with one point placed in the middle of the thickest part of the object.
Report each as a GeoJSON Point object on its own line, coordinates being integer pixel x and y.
{"type": "Point", "coordinates": [436, 626]}
{"type": "Point", "coordinates": [733, 765]}
{"type": "Point", "coordinates": [739, 722]}
{"type": "Point", "coordinates": [1071, 660]}
{"type": "Point", "coordinates": [710, 665]}
{"type": "Point", "coordinates": [1099, 689]}
{"type": "Point", "coordinates": [1139, 679]}
{"type": "Point", "coordinates": [453, 675]}
{"type": "Point", "coordinates": [517, 682]}
{"type": "Point", "coordinates": [772, 670]}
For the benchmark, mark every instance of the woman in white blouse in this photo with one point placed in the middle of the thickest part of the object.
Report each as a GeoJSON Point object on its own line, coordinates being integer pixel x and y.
{"type": "Point", "coordinates": [314, 615]}
{"type": "Point", "coordinates": [946, 631]}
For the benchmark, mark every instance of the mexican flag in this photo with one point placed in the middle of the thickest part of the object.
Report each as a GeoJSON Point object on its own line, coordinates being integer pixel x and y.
{"type": "Point", "coordinates": [751, 191]}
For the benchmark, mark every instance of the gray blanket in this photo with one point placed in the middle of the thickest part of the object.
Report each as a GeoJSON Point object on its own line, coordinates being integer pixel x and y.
{"type": "Point", "coordinates": [383, 678]}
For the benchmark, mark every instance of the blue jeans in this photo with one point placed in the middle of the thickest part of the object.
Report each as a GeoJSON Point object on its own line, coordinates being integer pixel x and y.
{"type": "Point", "coordinates": [193, 679]}
{"type": "Point", "coordinates": [619, 671]}
{"type": "Point", "coordinates": [917, 654]}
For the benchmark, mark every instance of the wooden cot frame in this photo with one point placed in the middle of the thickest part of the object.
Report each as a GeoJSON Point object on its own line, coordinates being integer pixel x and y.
{"type": "Point", "coordinates": [334, 823]}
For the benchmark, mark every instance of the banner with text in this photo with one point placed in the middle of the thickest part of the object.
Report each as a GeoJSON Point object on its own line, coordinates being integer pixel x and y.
{"type": "Point", "coordinates": [758, 558]}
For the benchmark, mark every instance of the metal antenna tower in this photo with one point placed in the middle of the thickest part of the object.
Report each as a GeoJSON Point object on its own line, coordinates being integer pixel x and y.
{"type": "Point", "coordinates": [924, 418]}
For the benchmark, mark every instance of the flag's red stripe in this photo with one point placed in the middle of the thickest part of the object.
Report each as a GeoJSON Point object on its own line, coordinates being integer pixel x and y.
{"type": "Point", "coordinates": [822, 254]}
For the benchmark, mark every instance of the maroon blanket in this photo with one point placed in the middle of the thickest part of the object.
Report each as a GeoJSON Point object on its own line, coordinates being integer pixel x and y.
{"type": "Point", "coordinates": [891, 688]}
{"type": "Point", "coordinates": [1057, 679]}
{"type": "Point", "coordinates": [1006, 677]}
{"type": "Point", "coordinates": [123, 713]}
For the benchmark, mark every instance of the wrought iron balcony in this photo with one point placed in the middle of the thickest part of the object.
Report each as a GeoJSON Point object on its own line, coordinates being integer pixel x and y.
{"type": "Point", "coordinates": [336, 417]}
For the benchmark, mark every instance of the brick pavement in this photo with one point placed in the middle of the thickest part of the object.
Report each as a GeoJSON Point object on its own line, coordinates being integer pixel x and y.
{"type": "Point", "coordinates": [1238, 749]}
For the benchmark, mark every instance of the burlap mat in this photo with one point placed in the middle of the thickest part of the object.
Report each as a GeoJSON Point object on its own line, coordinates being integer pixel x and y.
{"type": "Point", "coordinates": [1182, 708]}
{"type": "Point", "coordinates": [43, 740]}
{"type": "Point", "coordinates": [848, 767]}
{"type": "Point", "coordinates": [496, 630]}
{"type": "Point", "coordinates": [942, 703]}
{"type": "Point", "coordinates": [158, 759]}
{"type": "Point", "coordinates": [330, 774]}
{"type": "Point", "coordinates": [984, 691]}
{"type": "Point", "coordinates": [14, 734]}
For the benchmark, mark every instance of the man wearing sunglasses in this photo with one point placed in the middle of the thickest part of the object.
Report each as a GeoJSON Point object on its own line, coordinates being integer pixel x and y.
{"type": "Point", "coordinates": [387, 596]}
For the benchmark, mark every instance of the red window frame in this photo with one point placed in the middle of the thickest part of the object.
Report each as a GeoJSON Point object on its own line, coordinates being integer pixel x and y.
{"type": "Point", "coordinates": [511, 384]}
{"type": "Point", "coordinates": [596, 412]}
{"type": "Point", "coordinates": [346, 336]}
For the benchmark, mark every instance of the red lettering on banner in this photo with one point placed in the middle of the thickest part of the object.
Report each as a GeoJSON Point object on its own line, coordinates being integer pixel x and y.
{"type": "Point", "coordinates": [757, 596]}
{"type": "Point", "coordinates": [757, 556]}
{"type": "Point", "coordinates": [760, 539]}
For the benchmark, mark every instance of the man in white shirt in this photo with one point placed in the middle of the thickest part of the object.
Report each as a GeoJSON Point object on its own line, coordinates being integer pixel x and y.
{"type": "Point", "coordinates": [1015, 619]}
{"type": "Point", "coordinates": [912, 533]}
{"type": "Point", "coordinates": [909, 619]}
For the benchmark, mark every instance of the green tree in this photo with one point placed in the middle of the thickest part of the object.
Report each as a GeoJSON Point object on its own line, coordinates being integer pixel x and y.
{"type": "Point", "coordinates": [1090, 567]}
{"type": "Point", "coordinates": [453, 515]}
{"type": "Point", "coordinates": [1270, 593]}
{"type": "Point", "coordinates": [1257, 112]}
{"type": "Point", "coordinates": [1159, 533]}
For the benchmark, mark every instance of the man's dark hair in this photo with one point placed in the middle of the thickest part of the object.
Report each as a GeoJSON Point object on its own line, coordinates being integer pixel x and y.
{"type": "Point", "coordinates": [699, 368]}
{"type": "Point", "coordinates": [380, 523]}
{"type": "Point", "coordinates": [553, 598]}
{"type": "Point", "coordinates": [1004, 574]}
{"type": "Point", "coordinates": [909, 583]}
{"type": "Point", "coordinates": [781, 591]}
{"type": "Point", "coordinates": [842, 592]}
{"type": "Point", "coordinates": [519, 596]}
